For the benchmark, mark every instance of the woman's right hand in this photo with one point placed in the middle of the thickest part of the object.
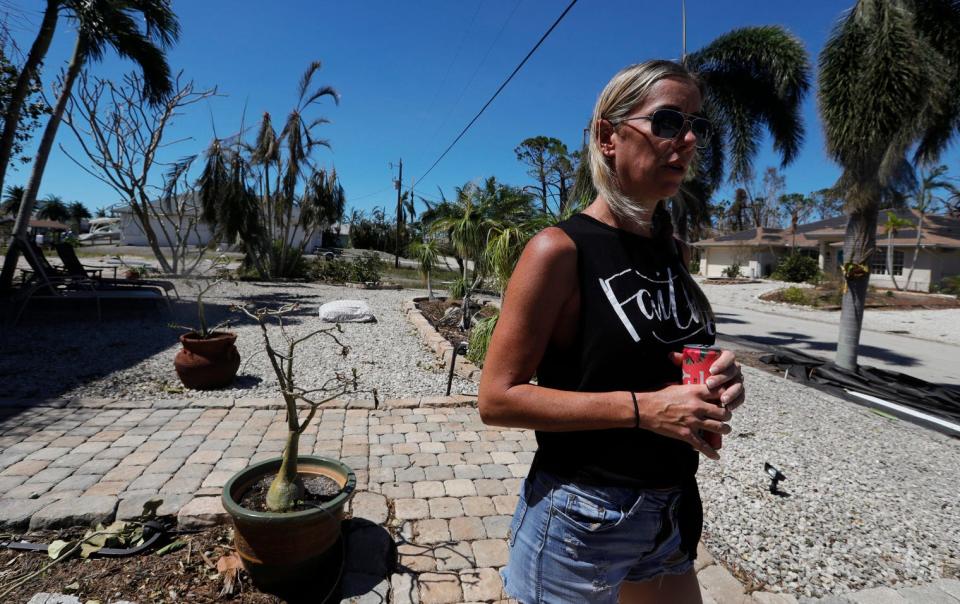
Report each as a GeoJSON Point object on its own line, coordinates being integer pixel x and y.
{"type": "Point", "coordinates": [682, 411]}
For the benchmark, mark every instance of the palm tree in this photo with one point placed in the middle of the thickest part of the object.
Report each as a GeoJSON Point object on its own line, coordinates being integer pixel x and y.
{"type": "Point", "coordinates": [894, 223]}
{"type": "Point", "coordinates": [102, 24]}
{"type": "Point", "coordinates": [889, 80]}
{"type": "Point", "coordinates": [930, 181]}
{"type": "Point", "coordinates": [427, 254]}
{"type": "Point", "coordinates": [11, 200]}
{"type": "Point", "coordinates": [78, 213]}
{"type": "Point", "coordinates": [29, 74]}
{"type": "Point", "coordinates": [476, 213]}
{"type": "Point", "coordinates": [53, 208]}
{"type": "Point", "coordinates": [756, 78]}
{"type": "Point", "coordinates": [277, 165]}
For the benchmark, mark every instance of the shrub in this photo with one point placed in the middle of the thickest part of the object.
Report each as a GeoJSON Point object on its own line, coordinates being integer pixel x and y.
{"type": "Point", "coordinates": [458, 288]}
{"type": "Point", "coordinates": [732, 271]}
{"type": "Point", "coordinates": [367, 268]}
{"type": "Point", "coordinates": [796, 268]}
{"type": "Point", "coordinates": [695, 266]}
{"type": "Point", "coordinates": [480, 339]}
{"type": "Point", "coordinates": [795, 295]}
{"type": "Point", "coordinates": [330, 271]}
{"type": "Point", "coordinates": [950, 285]}
{"type": "Point", "coordinates": [364, 269]}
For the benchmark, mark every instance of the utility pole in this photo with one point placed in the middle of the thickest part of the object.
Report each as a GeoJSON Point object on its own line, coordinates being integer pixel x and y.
{"type": "Point", "coordinates": [683, 25]}
{"type": "Point", "coordinates": [396, 259]}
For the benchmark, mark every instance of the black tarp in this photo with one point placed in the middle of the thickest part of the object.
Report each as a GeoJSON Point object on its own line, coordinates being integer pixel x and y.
{"type": "Point", "coordinates": [936, 400]}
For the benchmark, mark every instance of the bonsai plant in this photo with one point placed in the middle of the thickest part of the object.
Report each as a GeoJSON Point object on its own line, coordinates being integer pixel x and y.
{"type": "Point", "coordinates": [209, 357]}
{"type": "Point", "coordinates": [287, 510]}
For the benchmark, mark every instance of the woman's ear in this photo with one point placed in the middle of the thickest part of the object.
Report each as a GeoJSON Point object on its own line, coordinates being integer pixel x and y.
{"type": "Point", "coordinates": [605, 141]}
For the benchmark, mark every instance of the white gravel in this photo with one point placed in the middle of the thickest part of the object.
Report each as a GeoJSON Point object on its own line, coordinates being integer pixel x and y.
{"type": "Point", "coordinates": [130, 354]}
{"type": "Point", "coordinates": [872, 501]}
{"type": "Point", "coordinates": [937, 325]}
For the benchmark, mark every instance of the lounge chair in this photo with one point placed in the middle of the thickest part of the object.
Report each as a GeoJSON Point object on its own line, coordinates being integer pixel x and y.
{"type": "Point", "coordinates": [41, 284]}
{"type": "Point", "coordinates": [74, 268]}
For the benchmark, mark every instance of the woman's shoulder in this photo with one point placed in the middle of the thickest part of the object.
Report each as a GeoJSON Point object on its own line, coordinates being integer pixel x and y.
{"type": "Point", "coordinates": [552, 244]}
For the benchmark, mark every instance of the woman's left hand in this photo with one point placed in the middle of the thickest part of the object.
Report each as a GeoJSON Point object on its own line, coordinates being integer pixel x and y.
{"type": "Point", "coordinates": [725, 377]}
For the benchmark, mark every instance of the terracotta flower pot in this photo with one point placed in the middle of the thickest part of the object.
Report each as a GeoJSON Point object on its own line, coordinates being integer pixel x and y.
{"type": "Point", "coordinates": [131, 275]}
{"type": "Point", "coordinates": [207, 363]}
{"type": "Point", "coordinates": [283, 549]}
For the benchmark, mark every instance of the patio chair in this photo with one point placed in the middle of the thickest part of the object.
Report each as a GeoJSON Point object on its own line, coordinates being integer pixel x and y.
{"type": "Point", "coordinates": [41, 284]}
{"type": "Point", "coordinates": [73, 267]}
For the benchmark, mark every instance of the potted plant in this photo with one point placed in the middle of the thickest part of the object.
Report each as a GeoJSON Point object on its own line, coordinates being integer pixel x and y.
{"type": "Point", "coordinates": [287, 511]}
{"type": "Point", "coordinates": [209, 357]}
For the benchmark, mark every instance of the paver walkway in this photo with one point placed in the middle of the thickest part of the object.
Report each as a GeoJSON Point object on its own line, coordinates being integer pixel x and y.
{"type": "Point", "coordinates": [427, 468]}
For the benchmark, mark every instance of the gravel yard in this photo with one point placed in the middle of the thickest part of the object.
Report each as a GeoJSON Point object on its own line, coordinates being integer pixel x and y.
{"type": "Point", "coordinates": [872, 501]}
{"type": "Point", "coordinates": [130, 354]}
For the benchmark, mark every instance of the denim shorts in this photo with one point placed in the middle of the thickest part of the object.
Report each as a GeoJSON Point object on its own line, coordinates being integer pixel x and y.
{"type": "Point", "coordinates": [572, 542]}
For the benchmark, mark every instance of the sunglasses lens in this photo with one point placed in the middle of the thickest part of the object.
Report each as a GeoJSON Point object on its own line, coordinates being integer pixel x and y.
{"type": "Point", "coordinates": [666, 123]}
{"type": "Point", "coordinates": [702, 130]}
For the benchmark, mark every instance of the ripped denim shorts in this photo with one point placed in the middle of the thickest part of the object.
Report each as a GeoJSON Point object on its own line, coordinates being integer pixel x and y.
{"type": "Point", "coordinates": [572, 542]}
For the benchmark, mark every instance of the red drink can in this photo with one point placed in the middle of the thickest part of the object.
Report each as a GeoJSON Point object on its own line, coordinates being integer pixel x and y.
{"type": "Point", "coordinates": [696, 369]}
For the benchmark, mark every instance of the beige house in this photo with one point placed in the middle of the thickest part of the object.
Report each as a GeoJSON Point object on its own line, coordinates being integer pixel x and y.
{"type": "Point", "coordinates": [757, 251]}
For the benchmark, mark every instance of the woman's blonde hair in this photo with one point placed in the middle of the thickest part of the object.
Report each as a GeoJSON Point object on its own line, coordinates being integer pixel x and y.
{"type": "Point", "coordinates": [627, 89]}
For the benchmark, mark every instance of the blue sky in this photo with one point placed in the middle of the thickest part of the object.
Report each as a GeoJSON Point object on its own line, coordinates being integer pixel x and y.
{"type": "Point", "coordinates": [412, 74]}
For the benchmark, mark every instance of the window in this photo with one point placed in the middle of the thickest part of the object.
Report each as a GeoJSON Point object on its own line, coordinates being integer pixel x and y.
{"type": "Point", "coordinates": [879, 265]}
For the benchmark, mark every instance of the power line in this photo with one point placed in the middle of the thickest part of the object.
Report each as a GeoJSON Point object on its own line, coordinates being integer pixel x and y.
{"type": "Point", "coordinates": [476, 70]}
{"type": "Point", "coordinates": [454, 58]}
{"type": "Point", "coordinates": [372, 194]}
{"type": "Point", "coordinates": [502, 86]}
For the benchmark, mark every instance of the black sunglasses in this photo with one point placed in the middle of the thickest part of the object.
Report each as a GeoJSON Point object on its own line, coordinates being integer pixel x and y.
{"type": "Point", "coordinates": [670, 123]}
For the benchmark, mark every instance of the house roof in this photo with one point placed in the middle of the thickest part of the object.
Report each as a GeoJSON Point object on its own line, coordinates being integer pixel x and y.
{"type": "Point", "coordinates": [938, 231]}
{"type": "Point", "coordinates": [47, 224]}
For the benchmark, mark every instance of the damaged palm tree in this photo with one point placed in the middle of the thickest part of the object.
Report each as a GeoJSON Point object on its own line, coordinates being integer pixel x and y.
{"type": "Point", "coordinates": [292, 536]}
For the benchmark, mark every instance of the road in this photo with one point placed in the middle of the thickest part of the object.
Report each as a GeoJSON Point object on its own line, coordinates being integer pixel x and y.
{"type": "Point", "coordinates": [931, 361]}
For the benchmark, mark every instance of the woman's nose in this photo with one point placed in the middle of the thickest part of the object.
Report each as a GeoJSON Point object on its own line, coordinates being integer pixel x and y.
{"type": "Point", "coordinates": [688, 138]}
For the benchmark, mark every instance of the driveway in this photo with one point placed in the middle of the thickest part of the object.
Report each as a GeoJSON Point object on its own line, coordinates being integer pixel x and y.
{"type": "Point", "coordinates": [921, 343]}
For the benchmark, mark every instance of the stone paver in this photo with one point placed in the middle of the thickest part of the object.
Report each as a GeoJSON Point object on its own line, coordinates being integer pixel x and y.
{"type": "Point", "coordinates": [132, 507]}
{"type": "Point", "coordinates": [75, 511]}
{"type": "Point", "coordinates": [371, 506]}
{"type": "Point", "coordinates": [877, 595]}
{"type": "Point", "coordinates": [438, 588]}
{"type": "Point", "coordinates": [437, 475]}
{"type": "Point", "coordinates": [202, 512]}
{"type": "Point", "coordinates": [15, 514]}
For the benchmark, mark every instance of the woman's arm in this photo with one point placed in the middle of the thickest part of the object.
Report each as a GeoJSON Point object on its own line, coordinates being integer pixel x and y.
{"type": "Point", "coordinates": [542, 285]}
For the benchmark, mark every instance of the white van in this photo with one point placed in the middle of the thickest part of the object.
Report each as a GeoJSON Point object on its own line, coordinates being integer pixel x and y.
{"type": "Point", "coordinates": [102, 230]}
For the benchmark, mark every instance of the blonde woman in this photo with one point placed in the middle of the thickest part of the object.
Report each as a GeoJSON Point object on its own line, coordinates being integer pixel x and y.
{"type": "Point", "coordinates": [598, 309]}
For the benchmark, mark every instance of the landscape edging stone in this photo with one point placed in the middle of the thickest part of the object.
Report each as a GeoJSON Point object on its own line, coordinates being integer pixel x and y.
{"type": "Point", "coordinates": [441, 348]}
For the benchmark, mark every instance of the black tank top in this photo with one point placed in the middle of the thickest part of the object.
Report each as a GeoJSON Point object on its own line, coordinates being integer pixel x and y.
{"type": "Point", "coordinates": [634, 310]}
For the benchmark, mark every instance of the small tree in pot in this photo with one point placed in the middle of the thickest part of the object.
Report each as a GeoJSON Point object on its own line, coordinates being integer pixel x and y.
{"type": "Point", "coordinates": [209, 357]}
{"type": "Point", "coordinates": [292, 534]}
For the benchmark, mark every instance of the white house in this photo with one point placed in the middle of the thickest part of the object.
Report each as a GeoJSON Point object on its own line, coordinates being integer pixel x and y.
{"type": "Point", "coordinates": [757, 251]}
{"type": "Point", "coordinates": [201, 235]}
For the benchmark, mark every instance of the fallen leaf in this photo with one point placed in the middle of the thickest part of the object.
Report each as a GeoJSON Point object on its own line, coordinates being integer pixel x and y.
{"type": "Point", "coordinates": [72, 588]}
{"type": "Point", "coordinates": [55, 549]}
{"type": "Point", "coordinates": [229, 568]}
{"type": "Point", "coordinates": [206, 560]}
{"type": "Point", "coordinates": [171, 547]}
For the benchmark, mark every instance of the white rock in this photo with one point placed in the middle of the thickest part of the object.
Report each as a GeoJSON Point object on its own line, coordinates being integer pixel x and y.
{"type": "Point", "coordinates": [347, 311]}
